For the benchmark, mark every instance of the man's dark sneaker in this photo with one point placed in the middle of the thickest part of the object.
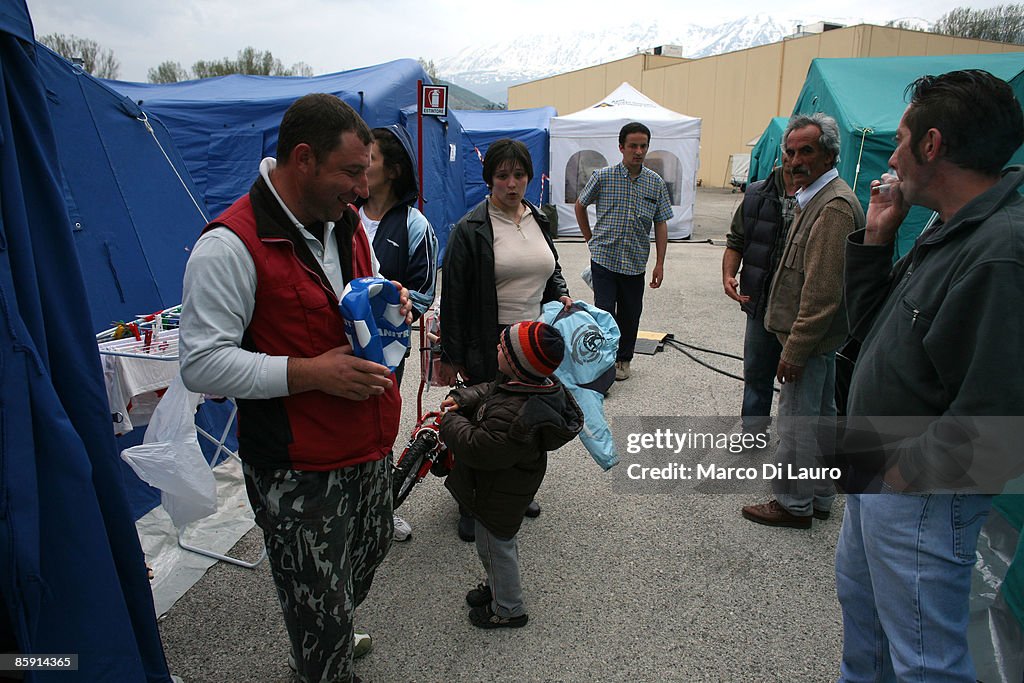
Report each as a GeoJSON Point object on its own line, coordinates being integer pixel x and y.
{"type": "Point", "coordinates": [467, 528]}
{"type": "Point", "coordinates": [533, 509]}
{"type": "Point", "coordinates": [822, 514]}
{"type": "Point", "coordinates": [483, 617]}
{"type": "Point", "coordinates": [479, 596]}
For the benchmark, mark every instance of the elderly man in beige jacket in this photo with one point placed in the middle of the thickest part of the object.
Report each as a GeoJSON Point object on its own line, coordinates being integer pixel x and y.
{"type": "Point", "coordinates": [806, 312]}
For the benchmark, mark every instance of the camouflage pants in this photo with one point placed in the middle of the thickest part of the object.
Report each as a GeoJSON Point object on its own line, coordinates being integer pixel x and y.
{"type": "Point", "coordinates": [326, 533]}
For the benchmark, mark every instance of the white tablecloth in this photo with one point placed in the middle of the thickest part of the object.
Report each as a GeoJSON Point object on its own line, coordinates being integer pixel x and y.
{"type": "Point", "coordinates": [133, 383]}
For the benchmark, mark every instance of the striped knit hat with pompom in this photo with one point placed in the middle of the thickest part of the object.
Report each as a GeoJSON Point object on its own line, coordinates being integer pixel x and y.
{"type": "Point", "coordinates": [533, 350]}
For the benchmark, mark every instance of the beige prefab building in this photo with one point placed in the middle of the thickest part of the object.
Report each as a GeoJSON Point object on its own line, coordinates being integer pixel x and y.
{"type": "Point", "coordinates": [735, 94]}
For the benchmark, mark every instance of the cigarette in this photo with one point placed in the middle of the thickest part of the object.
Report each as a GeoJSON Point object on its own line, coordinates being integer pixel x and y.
{"type": "Point", "coordinates": [889, 179]}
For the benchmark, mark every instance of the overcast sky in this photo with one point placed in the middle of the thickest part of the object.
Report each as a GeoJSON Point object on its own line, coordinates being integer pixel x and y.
{"type": "Point", "coordinates": [336, 35]}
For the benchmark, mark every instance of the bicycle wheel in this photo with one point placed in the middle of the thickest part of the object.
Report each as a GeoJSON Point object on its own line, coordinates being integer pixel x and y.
{"type": "Point", "coordinates": [405, 475]}
{"type": "Point", "coordinates": [442, 466]}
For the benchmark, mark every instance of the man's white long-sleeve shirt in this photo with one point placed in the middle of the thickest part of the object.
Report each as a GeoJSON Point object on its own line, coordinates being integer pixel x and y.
{"type": "Point", "coordinates": [218, 298]}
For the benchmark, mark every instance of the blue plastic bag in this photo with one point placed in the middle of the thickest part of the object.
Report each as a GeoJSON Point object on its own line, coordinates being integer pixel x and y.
{"type": "Point", "coordinates": [588, 369]}
{"type": "Point", "coordinates": [374, 323]}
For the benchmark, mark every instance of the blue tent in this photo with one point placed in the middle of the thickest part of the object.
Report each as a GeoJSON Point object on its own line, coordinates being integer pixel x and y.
{"type": "Point", "coordinates": [474, 131]}
{"type": "Point", "coordinates": [72, 575]}
{"type": "Point", "coordinates": [767, 153]}
{"type": "Point", "coordinates": [134, 210]}
{"type": "Point", "coordinates": [135, 214]}
{"type": "Point", "coordinates": [223, 126]}
{"type": "Point", "coordinates": [866, 97]}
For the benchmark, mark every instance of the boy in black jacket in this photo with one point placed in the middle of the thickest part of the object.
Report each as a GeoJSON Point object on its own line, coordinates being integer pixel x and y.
{"type": "Point", "coordinates": [500, 433]}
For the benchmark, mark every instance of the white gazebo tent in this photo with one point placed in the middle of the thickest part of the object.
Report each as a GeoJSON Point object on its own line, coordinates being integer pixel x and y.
{"type": "Point", "coordinates": [589, 139]}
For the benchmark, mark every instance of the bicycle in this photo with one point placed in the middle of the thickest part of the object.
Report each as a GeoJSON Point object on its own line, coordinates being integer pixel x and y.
{"type": "Point", "coordinates": [425, 452]}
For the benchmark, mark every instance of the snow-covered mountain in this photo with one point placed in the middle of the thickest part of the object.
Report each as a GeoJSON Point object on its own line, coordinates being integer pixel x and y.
{"type": "Point", "coordinates": [490, 69]}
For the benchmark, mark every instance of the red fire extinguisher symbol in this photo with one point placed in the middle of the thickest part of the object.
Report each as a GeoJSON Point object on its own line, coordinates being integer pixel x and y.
{"type": "Point", "coordinates": [435, 99]}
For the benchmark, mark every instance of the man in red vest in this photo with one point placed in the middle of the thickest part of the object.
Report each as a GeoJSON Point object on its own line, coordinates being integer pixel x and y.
{"type": "Point", "coordinates": [260, 322]}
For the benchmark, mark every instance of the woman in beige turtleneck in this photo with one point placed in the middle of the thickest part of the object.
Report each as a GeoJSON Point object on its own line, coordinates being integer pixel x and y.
{"type": "Point", "coordinates": [500, 267]}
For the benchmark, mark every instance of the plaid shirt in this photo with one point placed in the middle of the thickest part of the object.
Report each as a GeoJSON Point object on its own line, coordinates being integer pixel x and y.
{"type": "Point", "coordinates": [627, 208]}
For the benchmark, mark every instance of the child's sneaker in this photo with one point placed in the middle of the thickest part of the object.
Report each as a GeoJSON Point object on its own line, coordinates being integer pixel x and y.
{"type": "Point", "coordinates": [403, 530]}
{"type": "Point", "coordinates": [483, 617]}
{"type": "Point", "coordinates": [479, 596]}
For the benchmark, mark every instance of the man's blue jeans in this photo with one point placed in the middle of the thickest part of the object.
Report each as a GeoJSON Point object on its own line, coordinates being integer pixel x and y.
{"type": "Point", "coordinates": [903, 575]}
{"type": "Point", "coordinates": [761, 351]}
{"type": "Point", "coordinates": [807, 421]}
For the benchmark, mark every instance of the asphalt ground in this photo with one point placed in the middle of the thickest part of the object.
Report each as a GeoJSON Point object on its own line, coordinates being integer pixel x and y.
{"type": "Point", "coordinates": [621, 584]}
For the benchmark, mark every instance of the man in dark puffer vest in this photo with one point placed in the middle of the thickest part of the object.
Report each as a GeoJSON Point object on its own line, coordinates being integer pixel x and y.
{"type": "Point", "coordinates": [261, 323]}
{"type": "Point", "coordinates": [756, 240]}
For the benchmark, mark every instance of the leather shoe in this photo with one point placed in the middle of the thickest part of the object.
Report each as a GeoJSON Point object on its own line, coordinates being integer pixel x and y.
{"type": "Point", "coordinates": [773, 514]}
{"type": "Point", "coordinates": [533, 509]}
{"type": "Point", "coordinates": [822, 514]}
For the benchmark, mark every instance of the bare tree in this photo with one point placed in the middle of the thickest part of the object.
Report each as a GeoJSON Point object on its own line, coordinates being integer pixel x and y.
{"type": "Point", "coordinates": [96, 60]}
{"type": "Point", "coordinates": [258, 62]}
{"type": "Point", "coordinates": [428, 66]}
{"type": "Point", "coordinates": [252, 62]}
{"type": "Point", "coordinates": [300, 69]}
{"type": "Point", "coordinates": [168, 72]}
{"type": "Point", "coordinates": [903, 24]}
{"type": "Point", "coordinates": [1004, 23]}
{"type": "Point", "coordinates": [211, 69]}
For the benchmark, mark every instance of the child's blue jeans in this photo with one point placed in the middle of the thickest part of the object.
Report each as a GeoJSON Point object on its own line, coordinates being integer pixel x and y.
{"type": "Point", "coordinates": [500, 558]}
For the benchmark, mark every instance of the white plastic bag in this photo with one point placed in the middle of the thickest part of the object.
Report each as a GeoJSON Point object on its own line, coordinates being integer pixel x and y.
{"type": "Point", "coordinates": [170, 458]}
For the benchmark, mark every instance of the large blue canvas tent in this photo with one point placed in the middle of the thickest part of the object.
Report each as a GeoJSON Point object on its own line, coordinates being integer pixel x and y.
{"type": "Point", "coordinates": [866, 97]}
{"type": "Point", "coordinates": [223, 126]}
{"type": "Point", "coordinates": [135, 214]}
{"type": "Point", "coordinates": [472, 132]}
{"type": "Point", "coordinates": [72, 574]}
{"type": "Point", "coordinates": [134, 210]}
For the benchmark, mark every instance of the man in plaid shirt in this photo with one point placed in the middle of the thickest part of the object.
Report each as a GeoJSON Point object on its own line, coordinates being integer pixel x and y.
{"type": "Point", "coordinates": [630, 198]}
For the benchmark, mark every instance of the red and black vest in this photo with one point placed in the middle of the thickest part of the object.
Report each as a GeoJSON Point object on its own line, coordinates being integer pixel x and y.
{"type": "Point", "coordinates": [296, 314]}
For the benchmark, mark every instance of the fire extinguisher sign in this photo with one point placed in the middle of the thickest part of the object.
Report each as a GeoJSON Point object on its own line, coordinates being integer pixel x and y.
{"type": "Point", "coordinates": [435, 100]}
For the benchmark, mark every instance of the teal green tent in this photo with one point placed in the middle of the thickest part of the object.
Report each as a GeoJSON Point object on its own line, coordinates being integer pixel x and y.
{"type": "Point", "coordinates": [767, 152]}
{"type": "Point", "coordinates": [866, 97]}
{"type": "Point", "coordinates": [1011, 505]}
